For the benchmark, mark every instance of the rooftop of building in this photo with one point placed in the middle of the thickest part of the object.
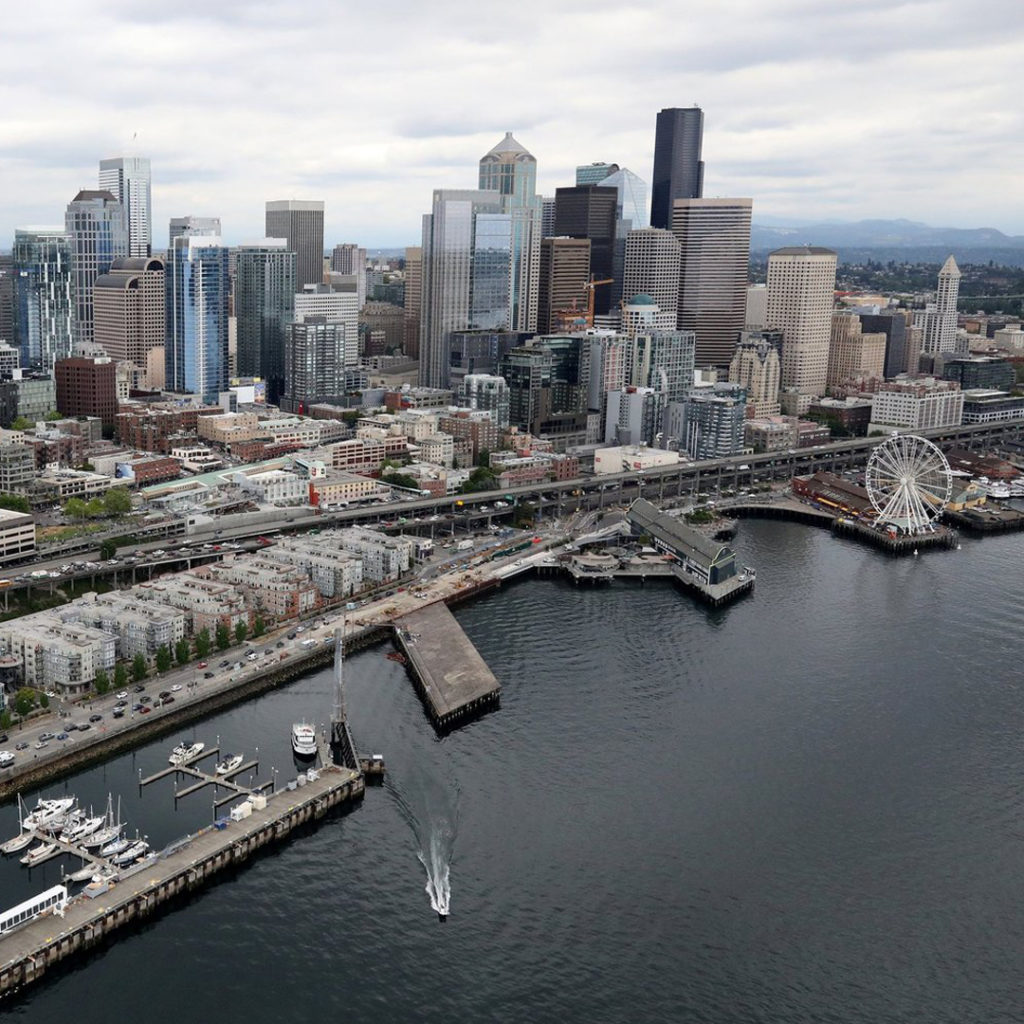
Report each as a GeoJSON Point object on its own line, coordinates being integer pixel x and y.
{"type": "Point", "coordinates": [803, 250]}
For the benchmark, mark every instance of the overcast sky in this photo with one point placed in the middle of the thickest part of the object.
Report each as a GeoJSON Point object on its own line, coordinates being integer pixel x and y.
{"type": "Point", "coordinates": [815, 108]}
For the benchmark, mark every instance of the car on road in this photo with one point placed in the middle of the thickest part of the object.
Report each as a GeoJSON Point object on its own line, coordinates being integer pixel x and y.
{"type": "Point", "coordinates": [168, 699]}
{"type": "Point", "coordinates": [96, 718]}
{"type": "Point", "coordinates": [145, 700]}
{"type": "Point", "coordinates": [207, 675]}
{"type": "Point", "coordinates": [201, 664]}
{"type": "Point", "coordinates": [145, 709]}
{"type": "Point", "coordinates": [118, 712]}
{"type": "Point", "coordinates": [23, 745]}
{"type": "Point", "coordinates": [140, 688]}
{"type": "Point", "coordinates": [224, 664]}
{"type": "Point", "coordinates": [164, 693]}
{"type": "Point", "coordinates": [62, 736]}
{"type": "Point", "coordinates": [84, 726]}
{"type": "Point", "coordinates": [176, 688]}
{"type": "Point", "coordinates": [123, 695]}
{"type": "Point", "coordinates": [44, 736]}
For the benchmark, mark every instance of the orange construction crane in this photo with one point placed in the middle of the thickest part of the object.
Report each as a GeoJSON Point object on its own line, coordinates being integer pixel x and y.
{"type": "Point", "coordinates": [590, 286]}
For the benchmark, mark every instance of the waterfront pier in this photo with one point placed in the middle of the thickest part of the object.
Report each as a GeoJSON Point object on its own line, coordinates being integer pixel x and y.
{"type": "Point", "coordinates": [452, 679]}
{"type": "Point", "coordinates": [187, 864]}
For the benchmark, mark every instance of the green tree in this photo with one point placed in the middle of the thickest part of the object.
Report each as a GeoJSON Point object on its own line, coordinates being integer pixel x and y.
{"type": "Point", "coordinates": [108, 549]}
{"type": "Point", "coordinates": [44, 701]}
{"type": "Point", "coordinates": [15, 503]}
{"type": "Point", "coordinates": [5, 720]}
{"type": "Point", "coordinates": [53, 415]}
{"type": "Point", "coordinates": [480, 479]}
{"type": "Point", "coordinates": [402, 480]}
{"type": "Point", "coordinates": [484, 459]}
{"type": "Point", "coordinates": [139, 670]}
{"type": "Point", "coordinates": [163, 658]}
{"type": "Point", "coordinates": [75, 508]}
{"type": "Point", "coordinates": [223, 637]}
{"type": "Point", "coordinates": [94, 508]}
{"type": "Point", "coordinates": [120, 675]}
{"type": "Point", "coordinates": [241, 632]}
{"type": "Point", "coordinates": [259, 627]}
{"type": "Point", "coordinates": [101, 682]}
{"type": "Point", "coordinates": [203, 642]}
{"type": "Point", "coordinates": [117, 502]}
{"type": "Point", "coordinates": [21, 423]}
{"type": "Point", "coordinates": [25, 701]}
{"type": "Point", "coordinates": [181, 652]}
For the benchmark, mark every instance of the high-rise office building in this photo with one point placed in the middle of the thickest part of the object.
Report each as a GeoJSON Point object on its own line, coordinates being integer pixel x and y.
{"type": "Point", "coordinates": [451, 274]}
{"type": "Point", "coordinates": [756, 368]}
{"type": "Point", "coordinates": [940, 319]}
{"type": "Point", "coordinates": [510, 169]}
{"type": "Point", "coordinates": [44, 309]}
{"type": "Point", "coordinates": [301, 223]}
{"type": "Point", "coordinates": [678, 168]}
{"type": "Point", "coordinates": [349, 258]}
{"type": "Point", "coordinates": [196, 353]}
{"type": "Point", "coordinates": [894, 326]}
{"type": "Point", "coordinates": [413, 300]}
{"type": "Point", "coordinates": [6, 297]}
{"type": "Point", "coordinates": [564, 272]}
{"type": "Point", "coordinates": [547, 216]}
{"type": "Point", "coordinates": [129, 180]}
{"type": "Point", "coordinates": [630, 213]}
{"type": "Point", "coordinates": [485, 392]}
{"type": "Point", "coordinates": [591, 211]}
{"type": "Point", "coordinates": [130, 314]}
{"type": "Point", "coordinates": [186, 227]}
{"type": "Point", "coordinates": [314, 362]}
{"type": "Point", "coordinates": [264, 309]}
{"type": "Point", "coordinates": [663, 361]}
{"type": "Point", "coordinates": [95, 225]}
{"type": "Point", "coordinates": [87, 386]}
{"type": "Point", "coordinates": [594, 174]}
{"type": "Point", "coordinates": [852, 352]}
{"type": "Point", "coordinates": [652, 267]}
{"type": "Point", "coordinates": [337, 305]}
{"type": "Point", "coordinates": [801, 291]}
{"type": "Point", "coordinates": [714, 239]}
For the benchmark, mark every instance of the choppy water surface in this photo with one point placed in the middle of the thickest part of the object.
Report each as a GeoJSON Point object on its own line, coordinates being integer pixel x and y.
{"type": "Point", "coordinates": [806, 807]}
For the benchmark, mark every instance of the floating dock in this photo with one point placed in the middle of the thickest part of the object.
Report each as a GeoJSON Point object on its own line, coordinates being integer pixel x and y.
{"type": "Point", "coordinates": [29, 952]}
{"type": "Point", "coordinates": [452, 679]}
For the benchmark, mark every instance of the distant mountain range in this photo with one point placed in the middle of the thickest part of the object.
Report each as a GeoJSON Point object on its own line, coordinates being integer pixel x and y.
{"type": "Point", "coordinates": [904, 240]}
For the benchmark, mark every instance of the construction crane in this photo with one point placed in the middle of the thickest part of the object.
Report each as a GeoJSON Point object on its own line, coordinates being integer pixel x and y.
{"type": "Point", "coordinates": [573, 319]}
{"type": "Point", "coordinates": [590, 287]}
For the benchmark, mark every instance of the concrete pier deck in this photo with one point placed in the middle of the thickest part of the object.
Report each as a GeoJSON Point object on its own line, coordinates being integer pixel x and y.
{"type": "Point", "coordinates": [451, 677]}
{"type": "Point", "coordinates": [27, 953]}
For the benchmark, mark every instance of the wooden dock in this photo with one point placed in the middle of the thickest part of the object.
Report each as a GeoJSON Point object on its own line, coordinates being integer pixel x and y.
{"type": "Point", "coordinates": [450, 676]}
{"type": "Point", "coordinates": [187, 864]}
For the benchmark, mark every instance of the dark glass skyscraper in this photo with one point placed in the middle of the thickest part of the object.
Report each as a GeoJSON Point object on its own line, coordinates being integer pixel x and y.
{"type": "Point", "coordinates": [590, 211]}
{"type": "Point", "coordinates": [678, 168]}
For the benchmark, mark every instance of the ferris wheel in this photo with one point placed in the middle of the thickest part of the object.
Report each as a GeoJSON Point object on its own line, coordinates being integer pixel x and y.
{"type": "Point", "coordinates": [909, 483]}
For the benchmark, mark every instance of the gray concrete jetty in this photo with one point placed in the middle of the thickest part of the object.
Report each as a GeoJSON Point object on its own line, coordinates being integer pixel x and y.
{"type": "Point", "coordinates": [29, 952]}
{"type": "Point", "coordinates": [451, 677]}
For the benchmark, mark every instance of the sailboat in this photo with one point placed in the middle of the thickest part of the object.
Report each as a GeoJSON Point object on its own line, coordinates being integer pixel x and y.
{"type": "Point", "coordinates": [23, 838]}
{"type": "Point", "coordinates": [109, 831]}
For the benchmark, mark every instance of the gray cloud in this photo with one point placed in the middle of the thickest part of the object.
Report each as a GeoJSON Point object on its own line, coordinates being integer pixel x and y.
{"type": "Point", "coordinates": [872, 108]}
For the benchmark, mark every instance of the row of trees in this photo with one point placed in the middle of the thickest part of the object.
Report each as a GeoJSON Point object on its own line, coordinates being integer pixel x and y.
{"type": "Point", "coordinates": [116, 502]}
{"type": "Point", "coordinates": [202, 643]}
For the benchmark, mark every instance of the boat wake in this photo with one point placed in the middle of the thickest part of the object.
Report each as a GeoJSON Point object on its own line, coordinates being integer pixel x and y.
{"type": "Point", "coordinates": [437, 862]}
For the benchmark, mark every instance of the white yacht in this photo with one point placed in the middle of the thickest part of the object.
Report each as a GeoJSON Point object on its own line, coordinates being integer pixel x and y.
{"type": "Point", "coordinates": [82, 829]}
{"type": "Point", "coordinates": [110, 829]}
{"type": "Point", "coordinates": [229, 764]}
{"type": "Point", "coordinates": [18, 843]}
{"type": "Point", "coordinates": [134, 852]}
{"type": "Point", "coordinates": [44, 851]}
{"type": "Point", "coordinates": [183, 753]}
{"type": "Point", "coordinates": [303, 740]}
{"type": "Point", "coordinates": [115, 847]}
{"type": "Point", "coordinates": [49, 811]}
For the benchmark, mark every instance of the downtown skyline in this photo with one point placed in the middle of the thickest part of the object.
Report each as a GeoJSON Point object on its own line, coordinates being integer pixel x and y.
{"type": "Point", "coordinates": [815, 114]}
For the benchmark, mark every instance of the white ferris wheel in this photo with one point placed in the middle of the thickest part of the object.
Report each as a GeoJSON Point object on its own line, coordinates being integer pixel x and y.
{"type": "Point", "coordinates": [909, 483]}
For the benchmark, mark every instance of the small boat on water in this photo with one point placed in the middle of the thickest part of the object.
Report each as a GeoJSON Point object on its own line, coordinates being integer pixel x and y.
{"type": "Point", "coordinates": [115, 847]}
{"type": "Point", "coordinates": [44, 851]}
{"type": "Point", "coordinates": [84, 873]}
{"type": "Point", "coordinates": [303, 740]}
{"type": "Point", "coordinates": [82, 829]}
{"type": "Point", "coordinates": [229, 764]}
{"type": "Point", "coordinates": [49, 811]}
{"type": "Point", "coordinates": [110, 830]}
{"type": "Point", "coordinates": [18, 843]}
{"type": "Point", "coordinates": [133, 853]}
{"type": "Point", "coordinates": [183, 753]}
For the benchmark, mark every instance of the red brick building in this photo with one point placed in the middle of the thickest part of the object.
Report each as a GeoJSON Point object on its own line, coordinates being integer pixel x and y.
{"type": "Point", "coordinates": [87, 386]}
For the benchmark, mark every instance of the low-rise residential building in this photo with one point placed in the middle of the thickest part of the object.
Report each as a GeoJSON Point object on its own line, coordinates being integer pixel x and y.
{"type": "Point", "coordinates": [210, 603]}
{"type": "Point", "coordinates": [439, 449]}
{"type": "Point", "coordinates": [384, 558]}
{"type": "Point", "coordinates": [229, 427]}
{"type": "Point", "coordinates": [17, 468]}
{"type": "Point", "coordinates": [143, 627]}
{"type": "Point", "coordinates": [335, 573]}
{"type": "Point", "coordinates": [277, 591]}
{"type": "Point", "coordinates": [916, 403]}
{"type": "Point", "coordinates": [364, 454]}
{"type": "Point", "coordinates": [56, 652]}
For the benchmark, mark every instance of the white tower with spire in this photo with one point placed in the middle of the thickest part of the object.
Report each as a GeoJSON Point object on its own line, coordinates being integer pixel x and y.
{"type": "Point", "coordinates": [940, 318]}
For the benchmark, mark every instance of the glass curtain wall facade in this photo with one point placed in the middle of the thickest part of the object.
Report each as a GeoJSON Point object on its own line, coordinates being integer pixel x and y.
{"type": "Point", "coordinates": [264, 309]}
{"type": "Point", "coordinates": [490, 295]}
{"type": "Point", "coordinates": [43, 296]}
{"type": "Point", "coordinates": [129, 180]}
{"type": "Point", "coordinates": [197, 316]}
{"type": "Point", "coordinates": [95, 225]}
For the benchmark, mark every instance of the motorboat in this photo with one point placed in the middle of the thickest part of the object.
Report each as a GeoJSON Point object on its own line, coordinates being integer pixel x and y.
{"type": "Point", "coordinates": [133, 853]}
{"type": "Point", "coordinates": [44, 851]}
{"type": "Point", "coordinates": [183, 753]}
{"type": "Point", "coordinates": [303, 740]}
{"type": "Point", "coordinates": [229, 764]}
{"type": "Point", "coordinates": [48, 811]}
{"type": "Point", "coordinates": [115, 847]}
{"type": "Point", "coordinates": [86, 827]}
{"type": "Point", "coordinates": [63, 822]}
